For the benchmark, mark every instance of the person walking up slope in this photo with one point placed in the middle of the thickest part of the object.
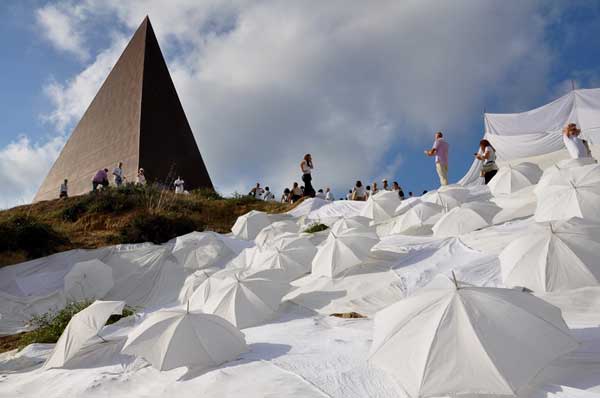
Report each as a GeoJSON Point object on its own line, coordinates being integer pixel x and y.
{"type": "Point", "coordinates": [440, 151]}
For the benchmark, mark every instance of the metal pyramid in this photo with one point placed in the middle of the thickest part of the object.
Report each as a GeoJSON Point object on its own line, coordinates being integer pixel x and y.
{"type": "Point", "coordinates": [136, 118]}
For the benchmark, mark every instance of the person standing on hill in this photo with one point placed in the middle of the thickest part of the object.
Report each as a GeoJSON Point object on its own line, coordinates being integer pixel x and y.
{"type": "Point", "coordinates": [296, 193]}
{"type": "Point", "coordinates": [141, 178]}
{"type": "Point", "coordinates": [64, 190]}
{"type": "Point", "coordinates": [374, 188]}
{"type": "Point", "coordinates": [573, 143]}
{"type": "Point", "coordinates": [385, 187]}
{"type": "Point", "coordinates": [179, 183]}
{"type": "Point", "coordinates": [118, 173]}
{"type": "Point", "coordinates": [307, 167]}
{"type": "Point", "coordinates": [328, 194]}
{"type": "Point", "coordinates": [440, 151]}
{"type": "Point", "coordinates": [487, 154]}
{"type": "Point", "coordinates": [268, 196]}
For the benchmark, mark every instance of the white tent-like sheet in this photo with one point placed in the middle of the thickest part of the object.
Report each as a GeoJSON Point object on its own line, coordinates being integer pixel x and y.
{"type": "Point", "coordinates": [469, 340]}
{"type": "Point", "coordinates": [551, 172]}
{"type": "Point", "coordinates": [350, 223]}
{"type": "Point", "coordinates": [244, 301]}
{"type": "Point", "coordinates": [539, 131]}
{"type": "Point", "coordinates": [419, 217]}
{"type": "Point", "coordinates": [510, 179]}
{"type": "Point", "coordinates": [572, 192]}
{"type": "Point", "coordinates": [290, 253]}
{"type": "Point", "coordinates": [466, 218]}
{"type": "Point", "coordinates": [81, 331]}
{"type": "Point", "coordinates": [447, 197]}
{"type": "Point", "coordinates": [554, 256]}
{"type": "Point", "coordinates": [381, 206]}
{"type": "Point", "coordinates": [199, 250]}
{"type": "Point", "coordinates": [406, 205]}
{"type": "Point", "coordinates": [174, 338]}
{"type": "Point", "coordinates": [250, 224]}
{"type": "Point", "coordinates": [88, 280]}
{"type": "Point", "coordinates": [342, 251]}
{"type": "Point", "coordinates": [275, 230]}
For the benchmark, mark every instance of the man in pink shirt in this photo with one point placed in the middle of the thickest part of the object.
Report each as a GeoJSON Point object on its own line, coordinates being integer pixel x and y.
{"type": "Point", "coordinates": [440, 151]}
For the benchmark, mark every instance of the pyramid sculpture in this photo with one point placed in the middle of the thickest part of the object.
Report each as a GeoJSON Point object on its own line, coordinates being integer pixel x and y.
{"type": "Point", "coordinates": [136, 118]}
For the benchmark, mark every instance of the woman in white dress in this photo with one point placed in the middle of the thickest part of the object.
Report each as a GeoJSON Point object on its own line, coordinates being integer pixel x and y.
{"type": "Point", "coordinates": [487, 154]}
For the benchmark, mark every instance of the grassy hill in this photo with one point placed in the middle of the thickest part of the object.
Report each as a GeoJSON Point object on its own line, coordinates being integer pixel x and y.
{"type": "Point", "coordinates": [126, 215]}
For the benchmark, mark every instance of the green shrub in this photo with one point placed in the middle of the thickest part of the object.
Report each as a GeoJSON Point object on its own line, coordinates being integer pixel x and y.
{"type": "Point", "coordinates": [49, 326]}
{"type": "Point", "coordinates": [157, 228]}
{"type": "Point", "coordinates": [316, 228]}
{"type": "Point", "coordinates": [27, 234]}
{"type": "Point", "coordinates": [114, 200]}
{"type": "Point", "coordinates": [206, 193]}
{"type": "Point", "coordinates": [74, 211]}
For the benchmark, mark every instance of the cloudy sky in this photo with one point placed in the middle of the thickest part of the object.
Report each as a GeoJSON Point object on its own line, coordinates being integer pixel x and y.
{"type": "Point", "coordinates": [362, 85]}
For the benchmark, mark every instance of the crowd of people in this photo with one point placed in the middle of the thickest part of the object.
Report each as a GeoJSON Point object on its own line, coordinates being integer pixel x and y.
{"type": "Point", "coordinates": [575, 145]}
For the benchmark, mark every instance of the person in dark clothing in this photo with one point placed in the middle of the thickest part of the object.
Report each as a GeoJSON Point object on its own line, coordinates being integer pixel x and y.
{"type": "Point", "coordinates": [307, 167]}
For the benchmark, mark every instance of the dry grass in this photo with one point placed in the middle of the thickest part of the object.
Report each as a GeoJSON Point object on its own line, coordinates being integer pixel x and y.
{"type": "Point", "coordinates": [354, 315]}
{"type": "Point", "coordinates": [96, 220]}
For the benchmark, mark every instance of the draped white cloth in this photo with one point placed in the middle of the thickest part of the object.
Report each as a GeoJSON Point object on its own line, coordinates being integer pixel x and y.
{"type": "Point", "coordinates": [539, 131]}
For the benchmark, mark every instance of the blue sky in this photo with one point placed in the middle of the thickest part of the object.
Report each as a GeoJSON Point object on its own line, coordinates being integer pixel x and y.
{"type": "Point", "coordinates": [361, 87]}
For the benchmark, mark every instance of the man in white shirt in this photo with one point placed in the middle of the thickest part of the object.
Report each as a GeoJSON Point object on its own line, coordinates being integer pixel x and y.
{"type": "Point", "coordinates": [573, 143]}
{"type": "Point", "coordinates": [328, 195]}
{"type": "Point", "coordinates": [179, 183]}
{"type": "Point", "coordinates": [268, 195]}
{"type": "Point", "coordinates": [118, 173]}
{"type": "Point", "coordinates": [320, 194]}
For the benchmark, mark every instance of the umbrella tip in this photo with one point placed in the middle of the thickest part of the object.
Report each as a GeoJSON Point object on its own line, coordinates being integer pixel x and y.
{"type": "Point", "coordinates": [455, 281]}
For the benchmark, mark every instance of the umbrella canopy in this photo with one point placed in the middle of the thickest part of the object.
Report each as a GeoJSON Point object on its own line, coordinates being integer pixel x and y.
{"type": "Point", "coordinates": [343, 251]}
{"type": "Point", "coordinates": [406, 205]}
{"type": "Point", "coordinates": [469, 340]}
{"type": "Point", "coordinates": [448, 197]}
{"type": "Point", "coordinates": [250, 224]}
{"type": "Point", "coordinates": [290, 253]}
{"type": "Point", "coordinates": [276, 230]}
{"type": "Point", "coordinates": [465, 218]}
{"type": "Point", "coordinates": [553, 256]}
{"type": "Point", "coordinates": [191, 283]}
{"type": "Point", "coordinates": [553, 170]}
{"type": "Point", "coordinates": [173, 338]}
{"type": "Point", "coordinates": [350, 223]}
{"type": "Point", "coordinates": [81, 331]}
{"type": "Point", "coordinates": [572, 192]}
{"type": "Point", "coordinates": [244, 300]}
{"type": "Point", "coordinates": [199, 250]}
{"type": "Point", "coordinates": [421, 215]}
{"type": "Point", "coordinates": [510, 178]}
{"type": "Point", "coordinates": [88, 280]}
{"type": "Point", "coordinates": [380, 207]}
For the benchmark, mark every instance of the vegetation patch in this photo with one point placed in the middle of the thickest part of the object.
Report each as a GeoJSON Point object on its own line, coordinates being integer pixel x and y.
{"type": "Point", "coordinates": [157, 228]}
{"type": "Point", "coordinates": [353, 315]}
{"type": "Point", "coordinates": [317, 227]}
{"type": "Point", "coordinates": [28, 235]}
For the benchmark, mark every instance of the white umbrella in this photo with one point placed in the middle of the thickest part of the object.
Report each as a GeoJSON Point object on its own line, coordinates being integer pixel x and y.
{"type": "Point", "coordinates": [447, 198]}
{"type": "Point", "coordinates": [81, 331]}
{"type": "Point", "coordinates": [290, 253]}
{"type": "Point", "coordinates": [417, 218]}
{"type": "Point", "coordinates": [469, 340]}
{"type": "Point", "coordinates": [191, 283]}
{"type": "Point", "coordinates": [169, 339]}
{"type": "Point", "coordinates": [343, 251]}
{"type": "Point", "coordinates": [200, 250]}
{"type": "Point", "coordinates": [249, 225]}
{"type": "Point", "coordinates": [275, 230]}
{"type": "Point", "coordinates": [554, 256]}
{"type": "Point", "coordinates": [510, 178]}
{"type": "Point", "coordinates": [244, 300]}
{"type": "Point", "coordinates": [380, 207]}
{"type": "Point", "coordinates": [552, 171]}
{"type": "Point", "coordinates": [350, 223]}
{"type": "Point", "coordinates": [465, 218]}
{"type": "Point", "coordinates": [573, 192]}
{"type": "Point", "coordinates": [244, 259]}
{"type": "Point", "coordinates": [88, 280]}
{"type": "Point", "coordinates": [406, 205]}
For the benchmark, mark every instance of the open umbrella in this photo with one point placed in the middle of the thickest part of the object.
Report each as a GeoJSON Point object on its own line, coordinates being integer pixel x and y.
{"type": "Point", "coordinates": [169, 339]}
{"type": "Point", "coordinates": [380, 207]}
{"type": "Point", "coordinates": [199, 250]}
{"type": "Point", "coordinates": [275, 230]}
{"type": "Point", "coordinates": [349, 223]}
{"type": "Point", "coordinates": [468, 340]}
{"type": "Point", "coordinates": [552, 171]}
{"type": "Point", "coordinates": [81, 331]}
{"type": "Point", "coordinates": [250, 224]}
{"type": "Point", "coordinates": [553, 256]}
{"type": "Point", "coordinates": [448, 197]}
{"type": "Point", "coordinates": [465, 218]}
{"type": "Point", "coordinates": [417, 219]}
{"type": "Point", "coordinates": [290, 253]}
{"type": "Point", "coordinates": [573, 192]}
{"type": "Point", "coordinates": [511, 178]}
{"type": "Point", "coordinates": [244, 300]}
{"type": "Point", "coordinates": [406, 205]}
{"type": "Point", "coordinates": [342, 251]}
{"type": "Point", "coordinates": [88, 280]}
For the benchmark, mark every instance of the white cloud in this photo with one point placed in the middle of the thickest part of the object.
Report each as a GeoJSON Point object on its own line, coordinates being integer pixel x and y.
{"type": "Point", "coordinates": [357, 84]}
{"type": "Point", "coordinates": [61, 29]}
{"type": "Point", "coordinates": [23, 165]}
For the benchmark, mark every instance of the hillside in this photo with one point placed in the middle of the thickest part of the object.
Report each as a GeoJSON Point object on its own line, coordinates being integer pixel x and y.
{"type": "Point", "coordinates": [126, 215]}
